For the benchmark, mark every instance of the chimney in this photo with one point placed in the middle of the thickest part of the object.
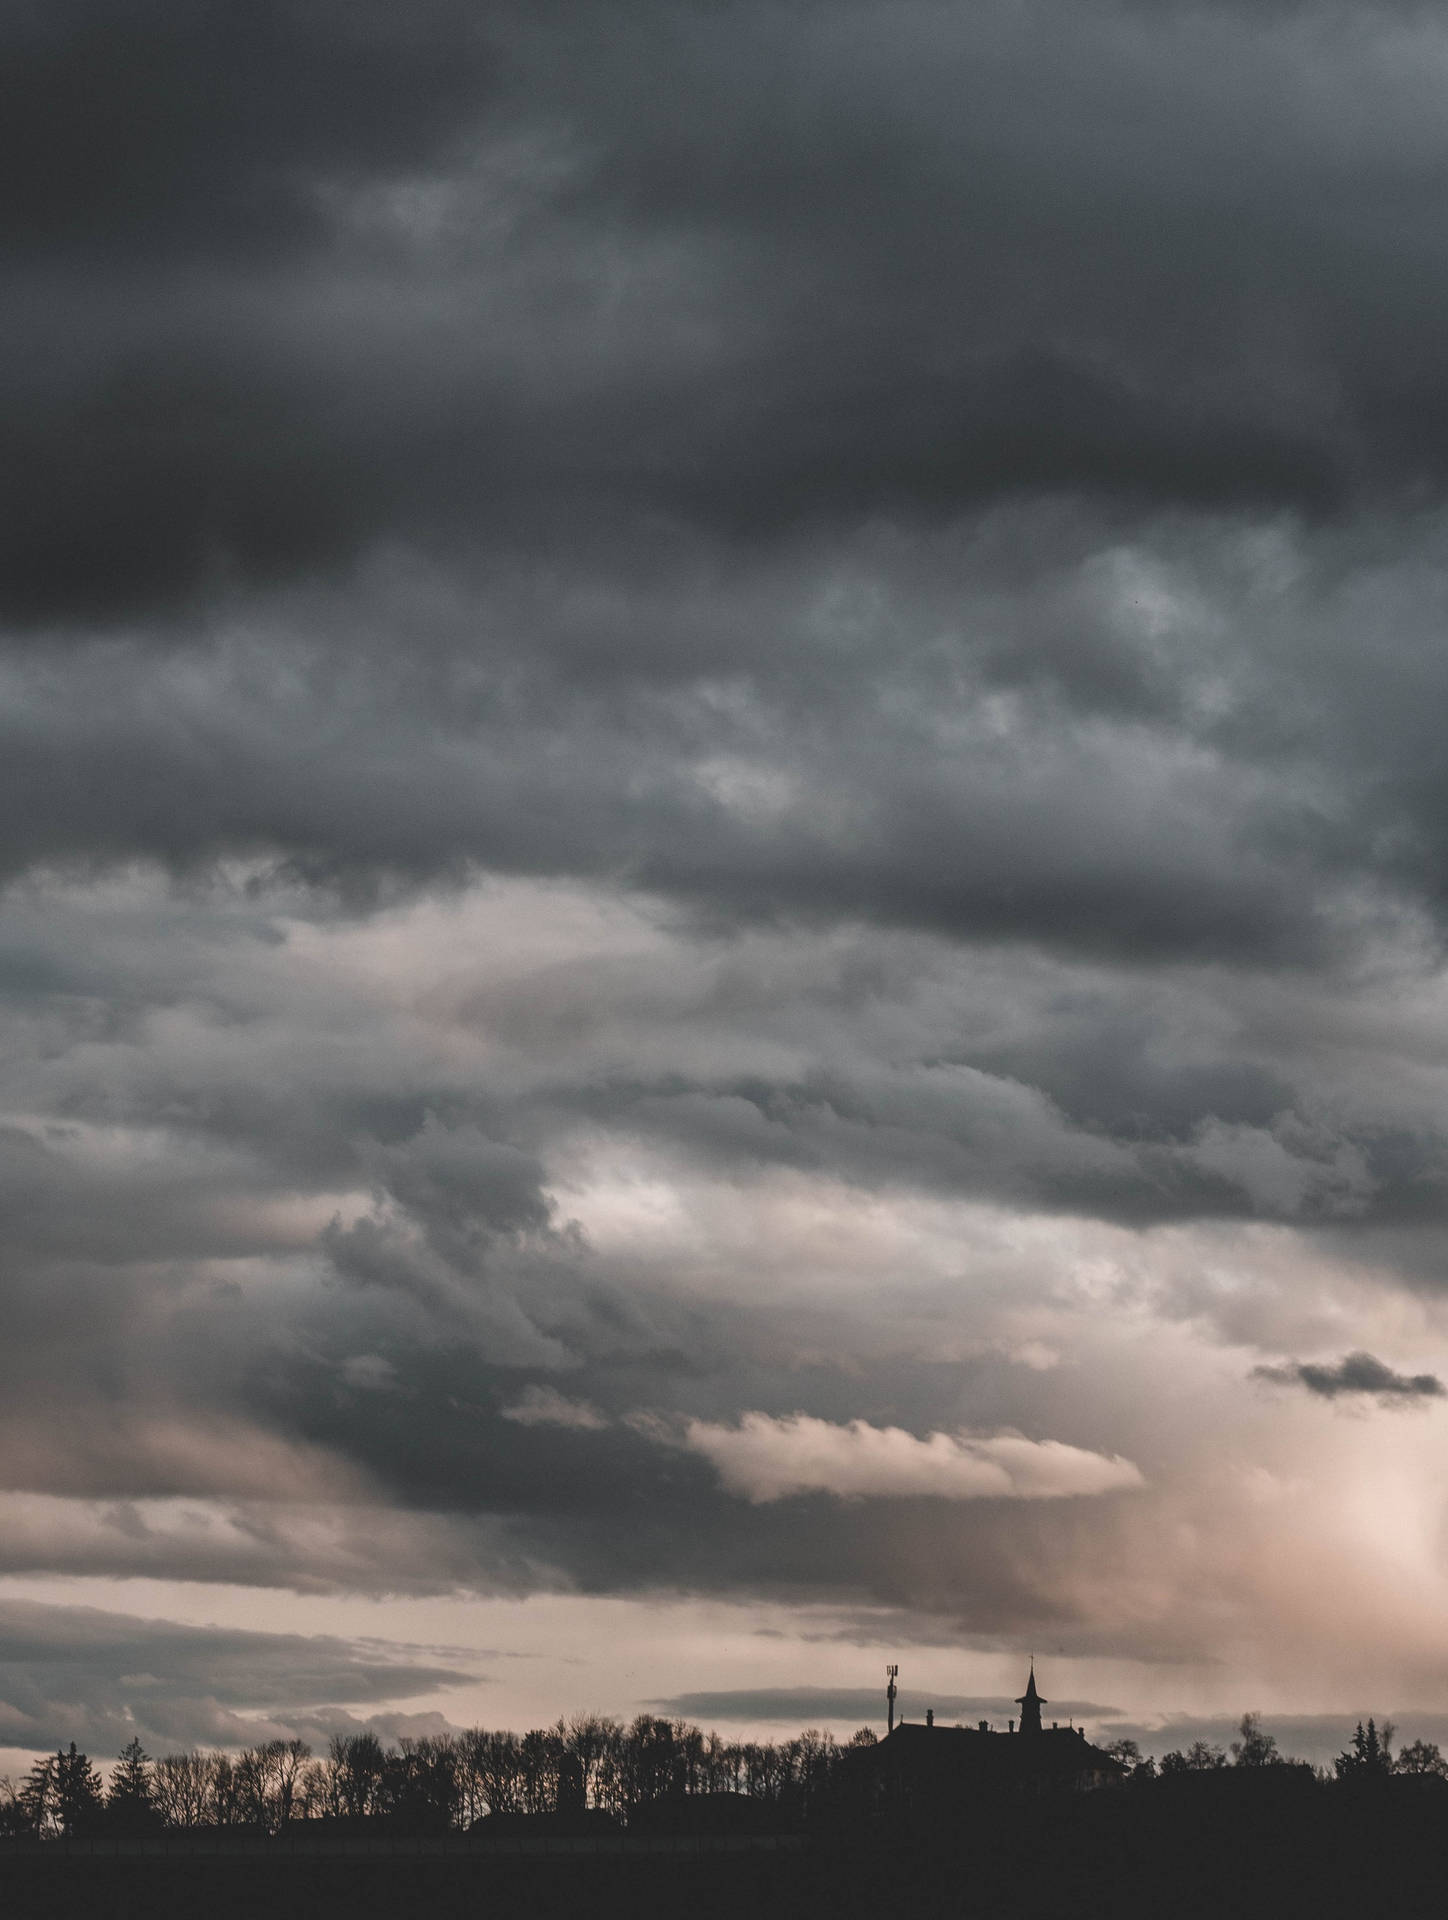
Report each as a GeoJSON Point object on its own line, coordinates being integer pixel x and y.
{"type": "Point", "coordinates": [930, 1716]}
{"type": "Point", "coordinates": [1010, 1726]}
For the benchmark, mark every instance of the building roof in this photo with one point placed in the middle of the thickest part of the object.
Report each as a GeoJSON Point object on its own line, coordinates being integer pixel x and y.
{"type": "Point", "coordinates": [978, 1758]}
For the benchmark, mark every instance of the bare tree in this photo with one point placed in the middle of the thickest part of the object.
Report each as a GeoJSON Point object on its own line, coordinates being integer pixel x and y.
{"type": "Point", "coordinates": [1421, 1756]}
{"type": "Point", "coordinates": [593, 1742]}
{"type": "Point", "coordinates": [12, 1815]}
{"type": "Point", "coordinates": [355, 1764]}
{"type": "Point", "coordinates": [1254, 1748]}
{"type": "Point", "coordinates": [421, 1783]}
{"type": "Point", "coordinates": [181, 1785]}
{"type": "Point", "coordinates": [497, 1768]}
{"type": "Point", "coordinates": [225, 1790]}
{"type": "Point", "coordinates": [1198, 1758]}
{"type": "Point", "coordinates": [266, 1783]}
{"type": "Point", "coordinates": [539, 1753]}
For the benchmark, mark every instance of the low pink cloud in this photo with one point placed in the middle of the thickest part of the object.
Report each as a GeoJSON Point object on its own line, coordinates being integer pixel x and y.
{"type": "Point", "coordinates": [767, 1458]}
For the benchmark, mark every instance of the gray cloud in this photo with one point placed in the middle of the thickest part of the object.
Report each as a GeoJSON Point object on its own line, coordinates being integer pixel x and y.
{"type": "Point", "coordinates": [658, 660]}
{"type": "Point", "coordinates": [681, 296]}
{"type": "Point", "coordinates": [244, 1360]}
{"type": "Point", "coordinates": [1355, 1373]}
{"type": "Point", "coordinates": [99, 1678]}
{"type": "Point", "coordinates": [545, 333]}
{"type": "Point", "coordinates": [809, 1706]}
{"type": "Point", "coordinates": [187, 128]}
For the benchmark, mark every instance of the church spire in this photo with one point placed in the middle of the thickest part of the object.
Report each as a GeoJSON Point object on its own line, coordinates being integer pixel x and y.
{"type": "Point", "coordinates": [1030, 1704]}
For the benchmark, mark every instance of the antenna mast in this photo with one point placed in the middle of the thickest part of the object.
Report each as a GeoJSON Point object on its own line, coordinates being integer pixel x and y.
{"type": "Point", "coordinates": [890, 1673]}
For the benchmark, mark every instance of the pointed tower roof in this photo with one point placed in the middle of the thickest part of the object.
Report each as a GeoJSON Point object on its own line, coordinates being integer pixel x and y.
{"type": "Point", "coordinates": [1030, 1704]}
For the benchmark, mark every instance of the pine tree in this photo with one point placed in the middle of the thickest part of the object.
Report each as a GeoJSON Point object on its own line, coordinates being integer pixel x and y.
{"type": "Point", "coordinates": [77, 1785]}
{"type": "Point", "coordinates": [36, 1796]}
{"type": "Point", "coordinates": [131, 1801]}
{"type": "Point", "coordinates": [1371, 1755]}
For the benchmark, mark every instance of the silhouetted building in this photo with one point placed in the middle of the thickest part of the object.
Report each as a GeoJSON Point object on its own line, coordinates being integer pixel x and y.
{"type": "Point", "coordinates": [1030, 1704]}
{"type": "Point", "coordinates": [938, 1775]}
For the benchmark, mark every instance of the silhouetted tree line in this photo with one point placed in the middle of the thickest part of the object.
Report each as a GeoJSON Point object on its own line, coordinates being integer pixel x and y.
{"type": "Point", "coordinates": [432, 1783]}
{"type": "Point", "coordinates": [1368, 1756]}
{"type": "Point", "coordinates": [442, 1782]}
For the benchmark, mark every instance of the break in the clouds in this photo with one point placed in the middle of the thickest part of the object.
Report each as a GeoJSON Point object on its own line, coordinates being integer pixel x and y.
{"type": "Point", "coordinates": [547, 1407]}
{"type": "Point", "coordinates": [1355, 1373]}
{"type": "Point", "coordinates": [722, 821]}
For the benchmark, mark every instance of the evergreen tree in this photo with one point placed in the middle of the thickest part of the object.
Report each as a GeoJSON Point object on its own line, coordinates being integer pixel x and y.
{"type": "Point", "coordinates": [1371, 1755]}
{"type": "Point", "coordinates": [36, 1797]}
{"type": "Point", "coordinates": [131, 1800]}
{"type": "Point", "coordinates": [77, 1788]}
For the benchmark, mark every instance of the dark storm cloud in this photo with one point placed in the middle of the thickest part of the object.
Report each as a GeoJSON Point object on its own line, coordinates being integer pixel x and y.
{"type": "Point", "coordinates": [101, 1679]}
{"type": "Point", "coordinates": [672, 337]}
{"type": "Point", "coordinates": [935, 512]}
{"type": "Point", "coordinates": [137, 130]}
{"type": "Point", "coordinates": [175, 172]}
{"type": "Point", "coordinates": [1355, 1373]}
{"type": "Point", "coordinates": [746, 267]}
{"type": "Point", "coordinates": [996, 1581]}
{"type": "Point", "coordinates": [1031, 831]}
{"type": "Point", "coordinates": [1037, 247]}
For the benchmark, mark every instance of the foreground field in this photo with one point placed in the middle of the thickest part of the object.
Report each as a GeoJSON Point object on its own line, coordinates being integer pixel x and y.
{"type": "Point", "coordinates": [1167, 1856]}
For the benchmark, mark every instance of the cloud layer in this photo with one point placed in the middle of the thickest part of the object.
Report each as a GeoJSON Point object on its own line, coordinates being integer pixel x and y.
{"type": "Point", "coordinates": [722, 724]}
{"type": "Point", "coordinates": [103, 1678]}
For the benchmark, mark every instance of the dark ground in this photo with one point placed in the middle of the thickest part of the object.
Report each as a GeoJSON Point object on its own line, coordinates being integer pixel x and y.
{"type": "Point", "coordinates": [1210, 1852]}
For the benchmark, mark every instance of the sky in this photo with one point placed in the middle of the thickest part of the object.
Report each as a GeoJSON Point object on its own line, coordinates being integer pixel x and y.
{"type": "Point", "coordinates": [723, 828]}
